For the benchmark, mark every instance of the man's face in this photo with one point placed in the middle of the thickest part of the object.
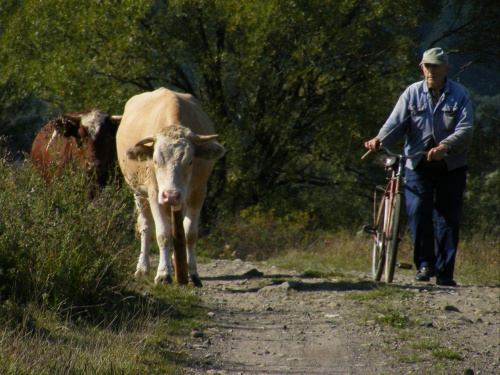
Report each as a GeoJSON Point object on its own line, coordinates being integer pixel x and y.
{"type": "Point", "coordinates": [435, 75]}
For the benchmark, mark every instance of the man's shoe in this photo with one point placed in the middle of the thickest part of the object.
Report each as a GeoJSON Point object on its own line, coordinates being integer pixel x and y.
{"type": "Point", "coordinates": [425, 274]}
{"type": "Point", "coordinates": [445, 282]}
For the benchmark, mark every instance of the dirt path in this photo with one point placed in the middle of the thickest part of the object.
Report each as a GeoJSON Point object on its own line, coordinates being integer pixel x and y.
{"type": "Point", "coordinates": [269, 321]}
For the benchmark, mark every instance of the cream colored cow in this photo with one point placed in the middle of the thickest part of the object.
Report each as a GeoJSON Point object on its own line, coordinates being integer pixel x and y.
{"type": "Point", "coordinates": [166, 151]}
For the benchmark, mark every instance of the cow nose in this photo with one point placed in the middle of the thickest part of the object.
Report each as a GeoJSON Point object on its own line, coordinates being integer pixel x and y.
{"type": "Point", "coordinates": [172, 197]}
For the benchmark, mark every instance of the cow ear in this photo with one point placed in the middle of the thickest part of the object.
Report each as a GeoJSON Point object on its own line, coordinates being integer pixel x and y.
{"type": "Point", "coordinates": [209, 150]}
{"type": "Point", "coordinates": [141, 152]}
{"type": "Point", "coordinates": [67, 125]}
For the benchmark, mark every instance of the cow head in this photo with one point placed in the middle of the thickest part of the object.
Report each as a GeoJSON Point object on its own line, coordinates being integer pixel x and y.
{"type": "Point", "coordinates": [94, 132]}
{"type": "Point", "coordinates": [87, 137]}
{"type": "Point", "coordinates": [173, 151]}
{"type": "Point", "coordinates": [86, 125]}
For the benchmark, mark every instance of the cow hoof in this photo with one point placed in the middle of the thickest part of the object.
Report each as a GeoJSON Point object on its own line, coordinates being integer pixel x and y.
{"type": "Point", "coordinates": [195, 281]}
{"type": "Point", "coordinates": [141, 273]}
{"type": "Point", "coordinates": [163, 279]}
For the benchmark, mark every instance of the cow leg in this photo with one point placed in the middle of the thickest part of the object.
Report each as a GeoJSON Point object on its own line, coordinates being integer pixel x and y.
{"type": "Point", "coordinates": [191, 231]}
{"type": "Point", "coordinates": [163, 236]}
{"type": "Point", "coordinates": [145, 225]}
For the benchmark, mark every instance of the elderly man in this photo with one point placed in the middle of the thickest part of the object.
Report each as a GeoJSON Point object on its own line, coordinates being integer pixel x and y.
{"type": "Point", "coordinates": [435, 115]}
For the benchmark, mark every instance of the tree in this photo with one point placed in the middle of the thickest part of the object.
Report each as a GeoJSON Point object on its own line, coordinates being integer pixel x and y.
{"type": "Point", "coordinates": [470, 28]}
{"type": "Point", "coordinates": [293, 86]}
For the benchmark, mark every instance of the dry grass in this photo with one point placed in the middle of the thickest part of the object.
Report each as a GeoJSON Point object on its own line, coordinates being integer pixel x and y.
{"type": "Point", "coordinates": [143, 335]}
{"type": "Point", "coordinates": [478, 259]}
{"type": "Point", "coordinates": [68, 300]}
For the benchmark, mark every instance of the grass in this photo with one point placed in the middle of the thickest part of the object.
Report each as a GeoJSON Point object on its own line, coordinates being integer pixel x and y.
{"type": "Point", "coordinates": [411, 358]}
{"type": "Point", "coordinates": [394, 319]}
{"type": "Point", "coordinates": [478, 260]}
{"type": "Point", "coordinates": [331, 255]}
{"type": "Point", "coordinates": [68, 300]}
{"type": "Point", "coordinates": [392, 311]}
{"type": "Point", "coordinates": [144, 335]}
{"type": "Point", "coordinates": [69, 304]}
{"type": "Point", "coordinates": [446, 354]}
{"type": "Point", "coordinates": [288, 242]}
{"type": "Point", "coordinates": [328, 255]}
{"type": "Point", "coordinates": [425, 344]}
{"type": "Point", "coordinates": [379, 293]}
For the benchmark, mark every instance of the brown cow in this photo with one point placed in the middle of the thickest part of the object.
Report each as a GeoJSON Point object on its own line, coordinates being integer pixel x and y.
{"type": "Point", "coordinates": [166, 151]}
{"type": "Point", "coordinates": [88, 137]}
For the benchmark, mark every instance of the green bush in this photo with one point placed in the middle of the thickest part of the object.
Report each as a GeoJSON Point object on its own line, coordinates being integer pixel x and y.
{"type": "Point", "coordinates": [481, 210]}
{"type": "Point", "coordinates": [58, 248]}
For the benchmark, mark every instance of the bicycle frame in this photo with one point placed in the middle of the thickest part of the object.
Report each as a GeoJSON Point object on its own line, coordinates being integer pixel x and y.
{"type": "Point", "coordinates": [393, 187]}
{"type": "Point", "coordinates": [387, 217]}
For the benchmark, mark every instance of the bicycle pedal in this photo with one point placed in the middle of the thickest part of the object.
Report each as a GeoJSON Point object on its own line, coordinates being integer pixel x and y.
{"type": "Point", "coordinates": [405, 266]}
{"type": "Point", "coordinates": [370, 229]}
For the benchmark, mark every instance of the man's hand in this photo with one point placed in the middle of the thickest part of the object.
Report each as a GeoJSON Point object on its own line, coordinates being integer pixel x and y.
{"type": "Point", "coordinates": [437, 153]}
{"type": "Point", "coordinates": [373, 144]}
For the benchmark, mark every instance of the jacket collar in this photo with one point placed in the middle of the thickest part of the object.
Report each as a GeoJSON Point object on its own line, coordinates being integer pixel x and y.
{"type": "Point", "coordinates": [445, 88]}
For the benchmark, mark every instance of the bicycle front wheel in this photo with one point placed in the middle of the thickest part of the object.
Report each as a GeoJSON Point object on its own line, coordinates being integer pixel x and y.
{"type": "Point", "coordinates": [379, 242]}
{"type": "Point", "coordinates": [393, 239]}
{"type": "Point", "coordinates": [378, 256]}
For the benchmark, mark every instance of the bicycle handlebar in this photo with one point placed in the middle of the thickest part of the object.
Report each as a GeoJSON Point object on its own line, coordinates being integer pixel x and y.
{"type": "Point", "coordinates": [388, 152]}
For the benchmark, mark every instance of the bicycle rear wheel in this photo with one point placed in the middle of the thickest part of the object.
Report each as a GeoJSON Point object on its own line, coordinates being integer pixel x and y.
{"type": "Point", "coordinates": [379, 244]}
{"type": "Point", "coordinates": [393, 239]}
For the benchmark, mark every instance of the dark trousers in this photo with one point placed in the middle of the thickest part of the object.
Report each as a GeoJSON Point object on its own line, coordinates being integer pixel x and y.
{"type": "Point", "coordinates": [434, 199]}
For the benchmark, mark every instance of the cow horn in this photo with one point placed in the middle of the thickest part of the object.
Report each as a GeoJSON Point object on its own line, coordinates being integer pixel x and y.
{"type": "Point", "coordinates": [205, 138]}
{"type": "Point", "coordinates": [145, 141]}
{"type": "Point", "coordinates": [116, 118]}
{"type": "Point", "coordinates": [54, 136]}
{"type": "Point", "coordinates": [73, 118]}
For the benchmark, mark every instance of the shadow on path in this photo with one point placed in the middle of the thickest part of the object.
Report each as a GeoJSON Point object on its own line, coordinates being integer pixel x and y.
{"type": "Point", "coordinates": [293, 282]}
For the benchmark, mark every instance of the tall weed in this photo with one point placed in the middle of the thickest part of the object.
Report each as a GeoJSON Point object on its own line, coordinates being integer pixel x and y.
{"type": "Point", "coordinates": [68, 302]}
{"type": "Point", "coordinates": [256, 234]}
{"type": "Point", "coordinates": [57, 247]}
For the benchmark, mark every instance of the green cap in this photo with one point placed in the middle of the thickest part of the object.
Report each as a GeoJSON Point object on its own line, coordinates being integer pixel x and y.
{"type": "Point", "coordinates": [434, 56]}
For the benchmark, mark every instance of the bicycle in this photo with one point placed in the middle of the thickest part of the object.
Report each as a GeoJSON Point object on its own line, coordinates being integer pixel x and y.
{"type": "Point", "coordinates": [386, 229]}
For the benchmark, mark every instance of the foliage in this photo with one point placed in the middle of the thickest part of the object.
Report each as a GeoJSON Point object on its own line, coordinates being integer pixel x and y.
{"type": "Point", "coordinates": [19, 118]}
{"type": "Point", "coordinates": [469, 27]}
{"type": "Point", "coordinates": [481, 210]}
{"type": "Point", "coordinates": [285, 82]}
{"type": "Point", "coordinates": [55, 246]}
{"type": "Point", "coordinates": [294, 87]}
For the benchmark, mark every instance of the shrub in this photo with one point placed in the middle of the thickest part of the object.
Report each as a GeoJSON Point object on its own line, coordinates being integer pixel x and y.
{"type": "Point", "coordinates": [481, 210]}
{"type": "Point", "coordinates": [57, 248]}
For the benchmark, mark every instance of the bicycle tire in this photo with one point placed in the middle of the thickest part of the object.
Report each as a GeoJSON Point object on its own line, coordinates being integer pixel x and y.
{"type": "Point", "coordinates": [378, 251]}
{"type": "Point", "coordinates": [393, 239]}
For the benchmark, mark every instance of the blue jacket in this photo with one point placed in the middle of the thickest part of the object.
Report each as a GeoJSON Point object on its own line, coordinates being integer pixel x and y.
{"type": "Point", "coordinates": [449, 122]}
